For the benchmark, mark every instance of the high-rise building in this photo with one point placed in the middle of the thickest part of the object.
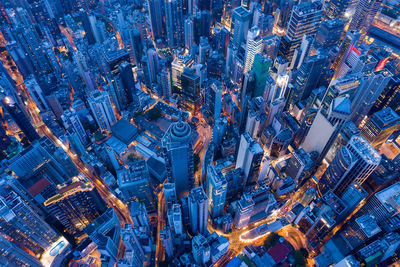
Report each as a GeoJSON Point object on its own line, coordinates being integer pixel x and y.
{"type": "Point", "coordinates": [380, 126]}
{"type": "Point", "coordinates": [11, 255]}
{"type": "Point", "coordinates": [326, 126]}
{"type": "Point", "coordinates": [127, 80]}
{"type": "Point", "coordinates": [76, 206]}
{"type": "Point", "coordinates": [20, 119]}
{"type": "Point", "coordinates": [216, 191]}
{"type": "Point", "coordinates": [189, 37]}
{"type": "Point", "coordinates": [244, 211]}
{"type": "Point", "coordinates": [353, 163]}
{"type": "Point", "coordinates": [102, 109]}
{"type": "Point", "coordinates": [198, 210]}
{"type": "Point", "coordinates": [105, 232]}
{"type": "Point", "coordinates": [178, 150]}
{"type": "Point", "coordinates": [175, 219]}
{"type": "Point", "coordinates": [249, 158]}
{"type": "Point", "coordinates": [166, 239]}
{"type": "Point", "coordinates": [213, 101]}
{"type": "Point", "coordinates": [368, 93]}
{"type": "Point", "coordinates": [305, 19]}
{"type": "Point", "coordinates": [71, 119]}
{"type": "Point", "coordinates": [20, 224]}
{"type": "Point", "coordinates": [240, 25]}
{"type": "Point", "coordinates": [254, 45]}
{"type": "Point", "coordinates": [310, 75]}
{"type": "Point", "coordinates": [337, 9]}
{"type": "Point", "coordinates": [201, 249]}
{"type": "Point", "coordinates": [174, 22]}
{"type": "Point", "coordinates": [190, 96]}
{"type": "Point", "coordinates": [329, 32]}
{"type": "Point", "coordinates": [156, 18]}
{"type": "Point", "coordinates": [133, 246]}
{"type": "Point", "coordinates": [134, 184]}
{"type": "Point", "coordinates": [390, 96]}
{"type": "Point", "coordinates": [348, 43]}
{"type": "Point", "coordinates": [364, 15]}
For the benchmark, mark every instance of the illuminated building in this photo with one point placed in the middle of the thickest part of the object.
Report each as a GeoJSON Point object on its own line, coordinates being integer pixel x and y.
{"type": "Point", "coordinates": [300, 165]}
{"type": "Point", "coordinates": [20, 224]}
{"type": "Point", "coordinates": [305, 19]}
{"type": "Point", "coordinates": [102, 109]}
{"type": "Point", "coordinates": [380, 126]}
{"type": "Point", "coordinates": [175, 219]}
{"type": "Point", "coordinates": [337, 9]}
{"type": "Point", "coordinates": [383, 204]}
{"type": "Point", "coordinates": [349, 41]}
{"type": "Point", "coordinates": [249, 158]}
{"type": "Point", "coordinates": [178, 151]}
{"type": "Point", "coordinates": [254, 45]}
{"type": "Point", "coordinates": [216, 190]}
{"type": "Point", "coordinates": [198, 210]}
{"type": "Point", "coordinates": [11, 255]}
{"type": "Point", "coordinates": [76, 206]}
{"type": "Point", "coordinates": [244, 211]}
{"type": "Point", "coordinates": [364, 15]}
{"type": "Point", "coordinates": [329, 32]}
{"type": "Point", "coordinates": [302, 52]}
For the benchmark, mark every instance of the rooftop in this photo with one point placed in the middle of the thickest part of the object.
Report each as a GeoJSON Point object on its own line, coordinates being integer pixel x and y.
{"type": "Point", "coordinates": [365, 150]}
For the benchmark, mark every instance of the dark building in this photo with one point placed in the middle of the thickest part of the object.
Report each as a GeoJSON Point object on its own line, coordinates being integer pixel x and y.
{"type": "Point", "coordinates": [20, 119]}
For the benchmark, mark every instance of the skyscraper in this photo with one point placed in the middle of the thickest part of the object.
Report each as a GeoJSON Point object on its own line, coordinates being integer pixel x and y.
{"type": "Point", "coordinates": [216, 191]}
{"type": "Point", "coordinates": [189, 38]}
{"type": "Point", "coordinates": [20, 119]}
{"type": "Point", "coordinates": [349, 41]}
{"type": "Point", "coordinates": [11, 255]}
{"type": "Point", "coordinates": [156, 18]}
{"type": "Point", "coordinates": [134, 184]}
{"type": "Point", "coordinates": [354, 163]}
{"type": "Point", "coordinates": [240, 25]}
{"type": "Point", "coordinates": [368, 93]}
{"type": "Point", "coordinates": [174, 22]}
{"type": "Point", "coordinates": [198, 210]}
{"type": "Point", "coordinates": [329, 32]}
{"type": "Point", "coordinates": [133, 246]}
{"type": "Point", "coordinates": [305, 19]}
{"type": "Point", "coordinates": [254, 46]}
{"type": "Point", "coordinates": [337, 9]}
{"type": "Point", "coordinates": [178, 150]}
{"type": "Point", "coordinates": [105, 232]}
{"type": "Point", "coordinates": [102, 109]}
{"type": "Point", "coordinates": [76, 206]}
{"type": "Point", "coordinates": [128, 83]}
{"type": "Point", "coordinates": [19, 223]}
{"type": "Point", "coordinates": [380, 126]}
{"type": "Point", "coordinates": [71, 119]}
{"type": "Point", "coordinates": [364, 15]}
{"type": "Point", "coordinates": [249, 158]}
